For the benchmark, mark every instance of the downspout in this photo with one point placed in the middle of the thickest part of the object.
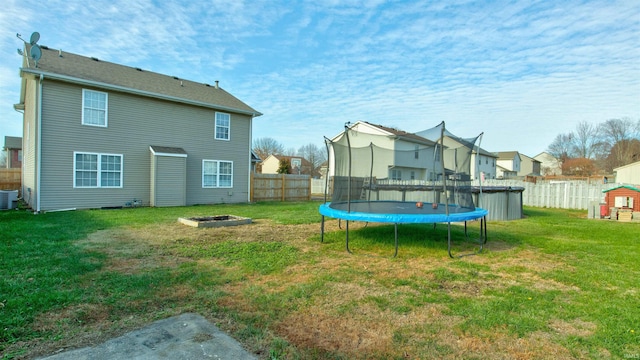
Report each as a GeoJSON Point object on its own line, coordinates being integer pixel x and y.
{"type": "Point", "coordinates": [250, 185]}
{"type": "Point", "coordinates": [39, 142]}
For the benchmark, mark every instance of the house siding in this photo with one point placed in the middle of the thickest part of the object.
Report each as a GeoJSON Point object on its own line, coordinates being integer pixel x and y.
{"type": "Point", "coordinates": [270, 165]}
{"type": "Point", "coordinates": [134, 123]}
{"type": "Point", "coordinates": [628, 174]}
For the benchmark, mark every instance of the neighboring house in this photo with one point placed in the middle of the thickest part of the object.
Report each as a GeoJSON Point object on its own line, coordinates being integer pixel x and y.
{"type": "Point", "coordinates": [412, 153]}
{"type": "Point", "coordinates": [549, 165]}
{"type": "Point", "coordinates": [255, 160]}
{"type": "Point", "coordinates": [504, 173]}
{"type": "Point", "coordinates": [483, 163]}
{"type": "Point", "coordinates": [13, 148]}
{"type": "Point", "coordinates": [299, 165]}
{"type": "Point", "coordinates": [628, 174]}
{"type": "Point", "coordinates": [508, 164]}
{"type": "Point", "coordinates": [529, 166]}
{"type": "Point", "coordinates": [98, 134]}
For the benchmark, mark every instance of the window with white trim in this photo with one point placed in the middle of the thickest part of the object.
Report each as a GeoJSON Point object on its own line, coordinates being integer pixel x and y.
{"type": "Point", "coordinates": [94, 108]}
{"type": "Point", "coordinates": [93, 170]}
{"type": "Point", "coordinates": [223, 126]}
{"type": "Point", "coordinates": [395, 174]}
{"type": "Point", "coordinates": [217, 174]}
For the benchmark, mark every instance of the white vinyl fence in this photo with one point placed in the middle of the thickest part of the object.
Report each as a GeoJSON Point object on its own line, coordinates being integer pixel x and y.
{"type": "Point", "coordinates": [571, 194]}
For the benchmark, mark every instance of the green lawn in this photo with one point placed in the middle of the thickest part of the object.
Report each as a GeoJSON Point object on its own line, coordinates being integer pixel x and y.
{"type": "Point", "coordinates": [552, 285]}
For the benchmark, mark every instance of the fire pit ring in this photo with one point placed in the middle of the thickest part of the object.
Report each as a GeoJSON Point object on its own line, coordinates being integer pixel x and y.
{"type": "Point", "coordinates": [215, 221]}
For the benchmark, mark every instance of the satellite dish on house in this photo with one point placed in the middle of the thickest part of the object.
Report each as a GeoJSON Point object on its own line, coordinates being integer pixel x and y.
{"type": "Point", "coordinates": [34, 38]}
{"type": "Point", "coordinates": [35, 52]}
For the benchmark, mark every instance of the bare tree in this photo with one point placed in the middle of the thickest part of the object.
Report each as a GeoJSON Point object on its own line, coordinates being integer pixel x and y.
{"type": "Point", "coordinates": [313, 154]}
{"type": "Point", "coordinates": [562, 146]}
{"type": "Point", "coordinates": [618, 135]}
{"type": "Point", "coordinates": [585, 140]}
{"type": "Point", "coordinates": [263, 147]}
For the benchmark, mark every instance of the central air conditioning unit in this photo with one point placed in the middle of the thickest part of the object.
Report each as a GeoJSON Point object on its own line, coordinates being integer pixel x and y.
{"type": "Point", "coordinates": [8, 199]}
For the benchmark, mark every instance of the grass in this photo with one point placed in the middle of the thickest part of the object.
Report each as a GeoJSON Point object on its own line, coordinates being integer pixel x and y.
{"type": "Point", "coordinates": [552, 285]}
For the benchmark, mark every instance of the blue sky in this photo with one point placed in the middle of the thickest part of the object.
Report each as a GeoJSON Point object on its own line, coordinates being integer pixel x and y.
{"type": "Point", "coordinates": [521, 72]}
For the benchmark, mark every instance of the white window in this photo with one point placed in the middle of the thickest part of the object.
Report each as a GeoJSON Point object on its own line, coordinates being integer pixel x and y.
{"type": "Point", "coordinates": [217, 174]}
{"type": "Point", "coordinates": [624, 202]}
{"type": "Point", "coordinates": [223, 126]}
{"type": "Point", "coordinates": [94, 108]}
{"type": "Point", "coordinates": [91, 170]}
{"type": "Point", "coordinates": [395, 175]}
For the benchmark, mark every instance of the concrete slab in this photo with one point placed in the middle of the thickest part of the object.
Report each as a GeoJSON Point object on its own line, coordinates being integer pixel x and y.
{"type": "Point", "coordinates": [187, 336]}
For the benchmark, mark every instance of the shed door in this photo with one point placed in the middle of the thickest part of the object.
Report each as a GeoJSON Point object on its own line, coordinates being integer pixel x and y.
{"type": "Point", "coordinates": [168, 181]}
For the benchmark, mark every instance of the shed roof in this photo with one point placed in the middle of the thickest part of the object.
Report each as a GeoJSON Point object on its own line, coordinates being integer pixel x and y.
{"type": "Point", "coordinates": [69, 67]}
{"type": "Point", "coordinates": [12, 142]}
{"type": "Point", "coordinates": [622, 186]}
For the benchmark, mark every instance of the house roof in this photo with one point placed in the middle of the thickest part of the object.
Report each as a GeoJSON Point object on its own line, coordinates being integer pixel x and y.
{"type": "Point", "coordinates": [530, 158]}
{"type": "Point", "coordinates": [401, 133]}
{"type": "Point", "coordinates": [433, 134]}
{"type": "Point", "coordinates": [12, 142]}
{"type": "Point", "coordinates": [507, 155]}
{"type": "Point", "coordinates": [622, 186]}
{"type": "Point", "coordinates": [89, 71]}
{"type": "Point", "coordinates": [284, 157]}
{"type": "Point", "coordinates": [637, 163]}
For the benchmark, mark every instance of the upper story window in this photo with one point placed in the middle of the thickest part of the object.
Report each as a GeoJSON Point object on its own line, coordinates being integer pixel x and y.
{"type": "Point", "coordinates": [217, 174]}
{"type": "Point", "coordinates": [416, 153]}
{"type": "Point", "coordinates": [395, 174]}
{"type": "Point", "coordinates": [97, 170]}
{"type": "Point", "coordinates": [223, 126]}
{"type": "Point", "coordinates": [94, 108]}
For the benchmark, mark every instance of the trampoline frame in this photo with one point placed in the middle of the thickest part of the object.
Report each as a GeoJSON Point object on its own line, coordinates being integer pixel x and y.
{"type": "Point", "coordinates": [397, 218]}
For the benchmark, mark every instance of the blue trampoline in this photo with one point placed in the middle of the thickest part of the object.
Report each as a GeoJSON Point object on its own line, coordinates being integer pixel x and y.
{"type": "Point", "coordinates": [439, 191]}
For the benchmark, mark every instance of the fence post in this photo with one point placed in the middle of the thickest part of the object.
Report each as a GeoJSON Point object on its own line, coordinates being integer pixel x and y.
{"type": "Point", "coordinates": [252, 184]}
{"type": "Point", "coordinates": [284, 187]}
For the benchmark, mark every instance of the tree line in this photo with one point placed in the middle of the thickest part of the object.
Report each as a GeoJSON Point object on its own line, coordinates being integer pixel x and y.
{"type": "Point", "coordinates": [597, 149]}
{"type": "Point", "coordinates": [263, 147]}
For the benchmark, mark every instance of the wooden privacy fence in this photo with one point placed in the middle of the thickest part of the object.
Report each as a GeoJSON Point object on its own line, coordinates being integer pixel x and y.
{"type": "Point", "coordinates": [10, 179]}
{"type": "Point", "coordinates": [280, 187]}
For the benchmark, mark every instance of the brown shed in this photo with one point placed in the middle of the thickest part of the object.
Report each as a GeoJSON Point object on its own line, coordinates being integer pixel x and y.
{"type": "Point", "coordinates": [622, 197]}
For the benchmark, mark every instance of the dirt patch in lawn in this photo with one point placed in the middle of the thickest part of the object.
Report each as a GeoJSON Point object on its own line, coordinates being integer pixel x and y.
{"type": "Point", "coordinates": [358, 306]}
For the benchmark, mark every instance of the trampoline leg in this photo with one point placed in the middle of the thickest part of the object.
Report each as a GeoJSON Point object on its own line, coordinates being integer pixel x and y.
{"type": "Point", "coordinates": [322, 230]}
{"type": "Point", "coordinates": [396, 233]}
{"type": "Point", "coordinates": [347, 237]}
{"type": "Point", "coordinates": [481, 241]}
{"type": "Point", "coordinates": [449, 239]}
{"type": "Point", "coordinates": [484, 219]}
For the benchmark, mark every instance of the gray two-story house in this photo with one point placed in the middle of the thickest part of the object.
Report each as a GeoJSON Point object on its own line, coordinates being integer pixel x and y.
{"type": "Point", "coordinates": [98, 134]}
{"type": "Point", "coordinates": [413, 157]}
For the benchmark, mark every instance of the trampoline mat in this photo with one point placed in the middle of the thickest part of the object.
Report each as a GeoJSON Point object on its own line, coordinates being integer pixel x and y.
{"type": "Point", "coordinates": [399, 212]}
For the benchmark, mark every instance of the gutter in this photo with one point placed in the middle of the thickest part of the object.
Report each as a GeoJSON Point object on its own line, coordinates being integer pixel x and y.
{"type": "Point", "coordinates": [103, 85]}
